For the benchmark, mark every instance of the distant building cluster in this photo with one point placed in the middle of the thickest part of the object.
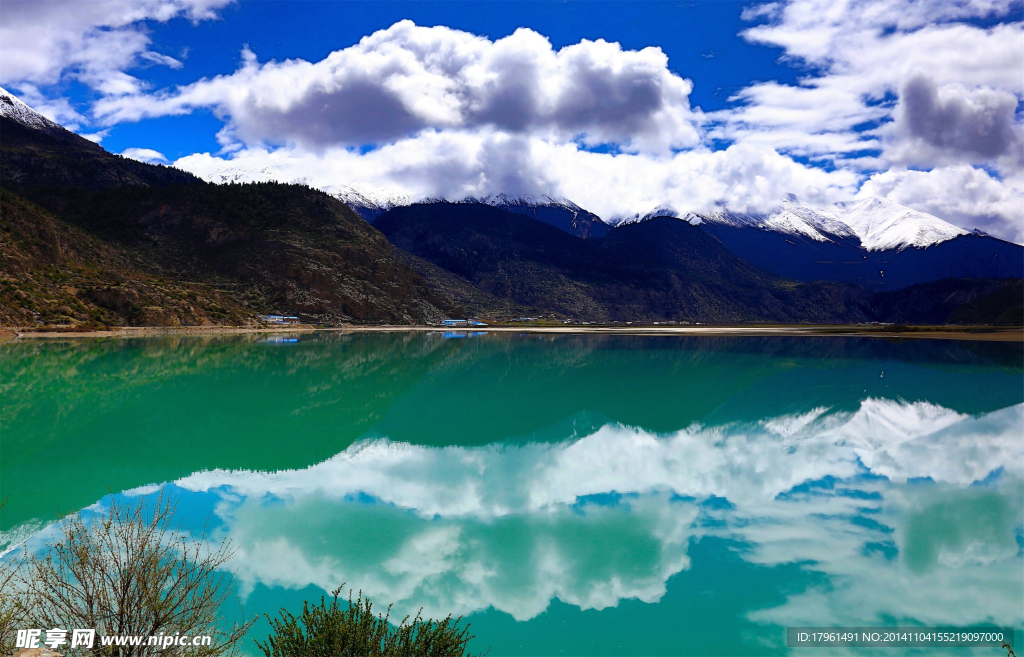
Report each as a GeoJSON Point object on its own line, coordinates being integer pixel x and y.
{"type": "Point", "coordinates": [278, 319]}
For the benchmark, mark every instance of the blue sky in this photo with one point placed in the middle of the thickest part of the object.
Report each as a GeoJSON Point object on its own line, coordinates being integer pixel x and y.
{"type": "Point", "coordinates": [700, 39]}
{"type": "Point", "coordinates": [620, 106]}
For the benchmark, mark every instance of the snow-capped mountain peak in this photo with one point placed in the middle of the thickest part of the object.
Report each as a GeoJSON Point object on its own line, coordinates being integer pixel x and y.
{"type": "Point", "coordinates": [877, 223]}
{"type": "Point", "coordinates": [881, 225]}
{"type": "Point", "coordinates": [508, 201]}
{"type": "Point", "coordinates": [12, 108]}
{"type": "Point", "coordinates": [558, 212]}
{"type": "Point", "coordinates": [369, 195]}
{"type": "Point", "coordinates": [792, 218]}
{"type": "Point", "coordinates": [820, 225]}
{"type": "Point", "coordinates": [657, 211]}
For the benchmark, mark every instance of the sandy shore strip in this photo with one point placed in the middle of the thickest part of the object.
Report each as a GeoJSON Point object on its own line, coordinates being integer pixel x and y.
{"type": "Point", "coordinates": [980, 333]}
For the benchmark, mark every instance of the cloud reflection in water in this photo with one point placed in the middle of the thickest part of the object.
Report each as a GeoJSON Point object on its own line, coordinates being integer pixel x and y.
{"type": "Point", "coordinates": [912, 510]}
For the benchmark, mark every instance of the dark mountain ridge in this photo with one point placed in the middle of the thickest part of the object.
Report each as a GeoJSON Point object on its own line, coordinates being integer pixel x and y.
{"type": "Point", "coordinates": [91, 237]}
{"type": "Point", "coordinates": [656, 270]}
{"type": "Point", "coordinates": [260, 248]}
{"type": "Point", "coordinates": [52, 156]}
{"type": "Point", "coordinates": [844, 259]}
{"type": "Point", "coordinates": [564, 215]}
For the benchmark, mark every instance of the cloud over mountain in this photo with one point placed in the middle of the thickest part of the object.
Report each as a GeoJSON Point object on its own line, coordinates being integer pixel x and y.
{"type": "Point", "coordinates": [408, 78]}
{"type": "Point", "coordinates": [884, 85]}
{"type": "Point", "coordinates": [962, 194]}
{"type": "Point", "coordinates": [456, 164]}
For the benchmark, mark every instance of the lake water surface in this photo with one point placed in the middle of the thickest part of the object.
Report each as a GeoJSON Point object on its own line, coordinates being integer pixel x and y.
{"type": "Point", "coordinates": [569, 495]}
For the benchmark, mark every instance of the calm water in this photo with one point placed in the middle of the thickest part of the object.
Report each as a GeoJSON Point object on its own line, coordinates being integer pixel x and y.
{"type": "Point", "coordinates": [573, 495]}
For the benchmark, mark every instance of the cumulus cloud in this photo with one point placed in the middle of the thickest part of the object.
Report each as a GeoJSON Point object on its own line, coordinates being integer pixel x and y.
{"type": "Point", "coordinates": [92, 41]}
{"type": "Point", "coordinates": [954, 122]}
{"type": "Point", "coordinates": [964, 195]}
{"type": "Point", "coordinates": [145, 155]}
{"type": "Point", "coordinates": [407, 78]}
{"type": "Point", "coordinates": [861, 55]}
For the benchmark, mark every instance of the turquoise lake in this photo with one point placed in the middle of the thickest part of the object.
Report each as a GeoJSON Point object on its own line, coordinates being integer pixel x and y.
{"type": "Point", "coordinates": [569, 494]}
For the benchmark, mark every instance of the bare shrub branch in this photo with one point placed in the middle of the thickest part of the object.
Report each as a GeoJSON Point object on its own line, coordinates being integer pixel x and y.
{"type": "Point", "coordinates": [135, 572]}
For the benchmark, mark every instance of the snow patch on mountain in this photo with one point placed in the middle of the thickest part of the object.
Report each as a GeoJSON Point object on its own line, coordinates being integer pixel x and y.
{"type": "Point", "coordinates": [526, 201]}
{"type": "Point", "coordinates": [792, 218]}
{"type": "Point", "coordinates": [558, 212]}
{"type": "Point", "coordinates": [12, 108]}
{"type": "Point", "coordinates": [658, 211]}
{"type": "Point", "coordinates": [821, 225]}
{"type": "Point", "coordinates": [882, 225]}
{"type": "Point", "coordinates": [240, 173]}
{"type": "Point", "coordinates": [369, 201]}
{"type": "Point", "coordinates": [878, 224]}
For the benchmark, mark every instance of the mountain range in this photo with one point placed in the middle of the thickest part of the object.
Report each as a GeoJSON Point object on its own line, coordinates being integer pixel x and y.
{"type": "Point", "coordinates": [873, 241]}
{"type": "Point", "coordinates": [93, 238]}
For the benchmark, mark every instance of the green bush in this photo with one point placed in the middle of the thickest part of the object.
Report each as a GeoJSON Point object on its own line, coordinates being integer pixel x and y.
{"type": "Point", "coordinates": [333, 631]}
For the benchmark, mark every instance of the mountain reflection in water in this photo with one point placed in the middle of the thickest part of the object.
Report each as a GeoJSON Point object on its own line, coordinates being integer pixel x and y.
{"type": "Point", "coordinates": [851, 482]}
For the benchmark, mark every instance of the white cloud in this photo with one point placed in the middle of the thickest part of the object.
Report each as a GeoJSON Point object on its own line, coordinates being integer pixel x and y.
{"type": "Point", "coordinates": [407, 78]}
{"type": "Point", "coordinates": [93, 41]}
{"type": "Point", "coordinates": [892, 83]}
{"type": "Point", "coordinates": [816, 30]}
{"type": "Point", "coordinates": [955, 124]}
{"type": "Point", "coordinates": [145, 155]}
{"type": "Point", "coordinates": [96, 137]}
{"type": "Point", "coordinates": [860, 56]}
{"type": "Point", "coordinates": [58, 110]}
{"type": "Point", "coordinates": [454, 114]}
{"type": "Point", "coordinates": [461, 529]}
{"type": "Point", "coordinates": [456, 164]}
{"type": "Point", "coordinates": [964, 195]}
{"type": "Point", "coordinates": [611, 516]}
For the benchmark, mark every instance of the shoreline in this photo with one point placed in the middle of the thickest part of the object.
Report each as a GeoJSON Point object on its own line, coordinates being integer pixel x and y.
{"type": "Point", "coordinates": [969, 333]}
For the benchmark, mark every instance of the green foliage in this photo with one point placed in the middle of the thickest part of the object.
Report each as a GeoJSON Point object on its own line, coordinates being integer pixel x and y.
{"type": "Point", "coordinates": [329, 630]}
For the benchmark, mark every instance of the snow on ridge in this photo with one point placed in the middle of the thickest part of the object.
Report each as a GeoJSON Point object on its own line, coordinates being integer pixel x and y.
{"type": "Point", "coordinates": [879, 224]}
{"type": "Point", "coordinates": [882, 225]}
{"type": "Point", "coordinates": [528, 201]}
{"type": "Point", "coordinates": [658, 211]}
{"type": "Point", "coordinates": [791, 218]}
{"type": "Point", "coordinates": [239, 173]}
{"type": "Point", "coordinates": [821, 225]}
{"type": "Point", "coordinates": [369, 196]}
{"type": "Point", "coordinates": [13, 108]}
